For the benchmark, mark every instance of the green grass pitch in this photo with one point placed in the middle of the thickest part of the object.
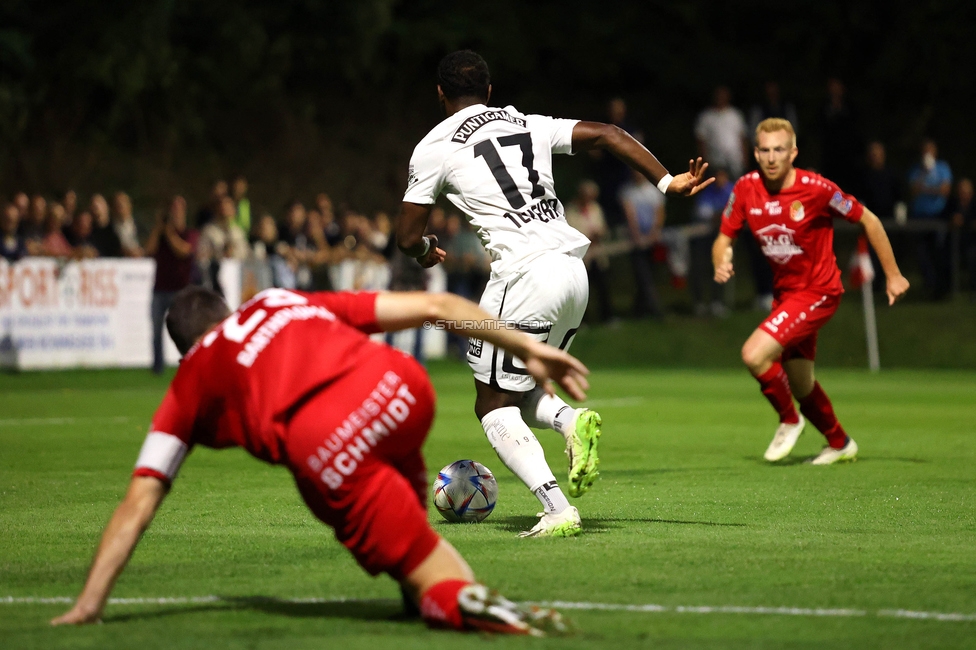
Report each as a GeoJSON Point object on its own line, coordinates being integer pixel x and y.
{"type": "Point", "coordinates": [686, 514]}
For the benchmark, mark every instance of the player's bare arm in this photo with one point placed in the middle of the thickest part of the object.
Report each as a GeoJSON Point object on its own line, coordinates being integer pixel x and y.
{"type": "Point", "coordinates": [410, 235]}
{"type": "Point", "coordinates": [596, 135]}
{"type": "Point", "coordinates": [402, 310]}
{"type": "Point", "coordinates": [128, 523]}
{"type": "Point", "coordinates": [897, 285]}
{"type": "Point", "coordinates": [722, 258]}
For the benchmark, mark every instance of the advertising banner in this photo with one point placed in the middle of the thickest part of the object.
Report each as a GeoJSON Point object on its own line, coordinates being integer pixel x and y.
{"type": "Point", "coordinates": [92, 313]}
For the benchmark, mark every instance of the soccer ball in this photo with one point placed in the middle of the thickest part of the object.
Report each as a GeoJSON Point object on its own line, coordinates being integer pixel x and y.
{"type": "Point", "coordinates": [465, 491]}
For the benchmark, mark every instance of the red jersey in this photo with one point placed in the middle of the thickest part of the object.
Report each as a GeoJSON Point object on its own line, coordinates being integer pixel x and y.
{"type": "Point", "coordinates": [794, 228]}
{"type": "Point", "coordinates": [240, 383]}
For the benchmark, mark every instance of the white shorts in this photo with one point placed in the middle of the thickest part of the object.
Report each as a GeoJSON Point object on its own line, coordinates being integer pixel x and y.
{"type": "Point", "coordinates": [546, 299]}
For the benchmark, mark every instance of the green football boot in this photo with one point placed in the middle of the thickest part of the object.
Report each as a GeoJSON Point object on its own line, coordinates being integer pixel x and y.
{"type": "Point", "coordinates": [581, 448]}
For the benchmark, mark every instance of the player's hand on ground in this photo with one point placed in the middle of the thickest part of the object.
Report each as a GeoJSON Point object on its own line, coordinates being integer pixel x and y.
{"type": "Point", "coordinates": [897, 286]}
{"type": "Point", "coordinates": [692, 181]}
{"type": "Point", "coordinates": [434, 256]}
{"type": "Point", "coordinates": [77, 615]}
{"type": "Point", "coordinates": [545, 363]}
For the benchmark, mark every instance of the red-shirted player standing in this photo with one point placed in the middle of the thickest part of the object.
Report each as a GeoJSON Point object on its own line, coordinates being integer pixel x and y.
{"type": "Point", "coordinates": [294, 379]}
{"type": "Point", "coordinates": [790, 212]}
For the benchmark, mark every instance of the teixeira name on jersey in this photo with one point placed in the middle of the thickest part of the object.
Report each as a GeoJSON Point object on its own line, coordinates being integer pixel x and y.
{"type": "Point", "coordinates": [545, 211]}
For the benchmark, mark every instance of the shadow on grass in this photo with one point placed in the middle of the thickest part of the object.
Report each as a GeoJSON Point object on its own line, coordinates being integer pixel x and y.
{"type": "Point", "coordinates": [600, 524]}
{"type": "Point", "coordinates": [363, 610]}
{"type": "Point", "coordinates": [789, 461]}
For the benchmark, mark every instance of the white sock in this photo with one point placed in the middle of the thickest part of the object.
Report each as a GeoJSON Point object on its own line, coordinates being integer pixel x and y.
{"type": "Point", "coordinates": [545, 411]}
{"type": "Point", "coordinates": [518, 448]}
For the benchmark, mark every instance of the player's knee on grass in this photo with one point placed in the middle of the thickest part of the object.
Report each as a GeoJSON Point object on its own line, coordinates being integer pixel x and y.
{"type": "Point", "coordinates": [364, 509]}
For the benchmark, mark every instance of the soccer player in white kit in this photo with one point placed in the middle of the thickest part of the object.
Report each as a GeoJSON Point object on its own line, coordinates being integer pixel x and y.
{"type": "Point", "coordinates": [495, 165]}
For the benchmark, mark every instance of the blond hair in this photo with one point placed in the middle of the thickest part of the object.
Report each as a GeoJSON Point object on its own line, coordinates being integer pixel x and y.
{"type": "Point", "coordinates": [773, 124]}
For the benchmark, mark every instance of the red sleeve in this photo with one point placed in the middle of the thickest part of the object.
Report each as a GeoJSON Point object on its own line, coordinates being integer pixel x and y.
{"type": "Point", "coordinates": [170, 435]}
{"type": "Point", "coordinates": [175, 415]}
{"type": "Point", "coordinates": [146, 471]}
{"type": "Point", "coordinates": [733, 217]}
{"type": "Point", "coordinates": [354, 308]}
{"type": "Point", "coordinates": [842, 205]}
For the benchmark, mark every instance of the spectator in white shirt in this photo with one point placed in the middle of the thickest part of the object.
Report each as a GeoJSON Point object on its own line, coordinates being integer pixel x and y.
{"type": "Point", "coordinates": [125, 225]}
{"type": "Point", "coordinates": [221, 239]}
{"type": "Point", "coordinates": [722, 134]}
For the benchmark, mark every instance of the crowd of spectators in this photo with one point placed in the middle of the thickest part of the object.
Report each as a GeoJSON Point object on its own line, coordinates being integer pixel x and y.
{"type": "Point", "coordinates": [305, 246]}
{"type": "Point", "coordinates": [313, 245]}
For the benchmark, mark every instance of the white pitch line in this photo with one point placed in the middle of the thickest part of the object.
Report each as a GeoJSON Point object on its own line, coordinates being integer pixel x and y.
{"type": "Point", "coordinates": [937, 616]}
{"type": "Point", "coordinates": [727, 609]}
{"type": "Point", "coordinates": [13, 422]}
{"type": "Point", "coordinates": [606, 607]}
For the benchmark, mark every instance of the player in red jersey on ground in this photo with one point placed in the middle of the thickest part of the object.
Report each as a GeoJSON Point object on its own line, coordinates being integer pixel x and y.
{"type": "Point", "coordinates": [294, 379]}
{"type": "Point", "coordinates": [790, 212]}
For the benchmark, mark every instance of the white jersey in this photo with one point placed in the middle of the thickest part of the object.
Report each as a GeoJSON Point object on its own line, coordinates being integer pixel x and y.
{"type": "Point", "coordinates": [495, 165]}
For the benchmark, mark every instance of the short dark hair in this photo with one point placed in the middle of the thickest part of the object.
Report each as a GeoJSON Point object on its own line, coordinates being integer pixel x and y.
{"type": "Point", "coordinates": [463, 74]}
{"type": "Point", "coordinates": [194, 311]}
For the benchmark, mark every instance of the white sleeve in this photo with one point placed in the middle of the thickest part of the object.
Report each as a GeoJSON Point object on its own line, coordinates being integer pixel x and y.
{"type": "Point", "coordinates": [561, 139]}
{"type": "Point", "coordinates": [425, 179]}
{"type": "Point", "coordinates": [558, 131]}
{"type": "Point", "coordinates": [162, 453]}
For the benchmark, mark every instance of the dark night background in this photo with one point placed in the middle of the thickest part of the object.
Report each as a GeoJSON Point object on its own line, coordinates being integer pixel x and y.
{"type": "Point", "coordinates": [304, 95]}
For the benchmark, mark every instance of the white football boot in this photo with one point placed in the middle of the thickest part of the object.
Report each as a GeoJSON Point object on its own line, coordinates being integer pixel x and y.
{"type": "Point", "coordinates": [784, 440]}
{"type": "Point", "coordinates": [829, 455]}
{"type": "Point", "coordinates": [566, 524]}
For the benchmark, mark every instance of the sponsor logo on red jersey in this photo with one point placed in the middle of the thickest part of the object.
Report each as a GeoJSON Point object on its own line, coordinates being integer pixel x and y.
{"type": "Point", "coordinates": [796, 211]}
{"type": "Point", "coordinates": [777, 243]}
{"type": "Point", "coordinates": [839, 203]}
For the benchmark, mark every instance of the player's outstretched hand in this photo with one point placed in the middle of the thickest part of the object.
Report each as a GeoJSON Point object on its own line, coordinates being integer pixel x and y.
{"type": "Point", "coordinates": [692, 181]}
{"type": "Point", "coordinates": [77, 615]}
{"type": "Point", "coordinates": [434, 256]}
{"type": "Point", "coordinates": [897, 286]}
{"type": "Point", "coordinates": [545, 363]}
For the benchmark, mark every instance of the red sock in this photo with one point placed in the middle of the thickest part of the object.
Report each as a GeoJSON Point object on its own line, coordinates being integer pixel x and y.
{"type": "Point", "coordinates": [439, 604]}
{"type": "Point", "coordinates": [776, 388]}
{"type": "Point", "coordinates": [817, 408]}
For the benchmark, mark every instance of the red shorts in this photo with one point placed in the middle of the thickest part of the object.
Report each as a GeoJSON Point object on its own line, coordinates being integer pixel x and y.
{"type": "Point", "coordinates": [795, 320]}
{"type": "Point", "coordinates": [354, 449]}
